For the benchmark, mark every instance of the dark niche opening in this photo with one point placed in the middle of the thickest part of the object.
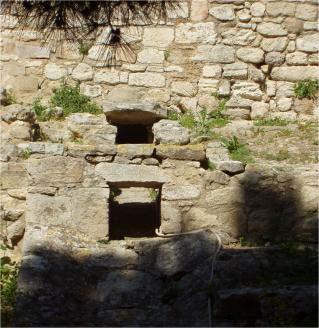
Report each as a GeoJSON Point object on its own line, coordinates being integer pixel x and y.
{"type": "Point", "coordinates": [134, 134]}
{"type": "Point", "coordinates": [134, 212]}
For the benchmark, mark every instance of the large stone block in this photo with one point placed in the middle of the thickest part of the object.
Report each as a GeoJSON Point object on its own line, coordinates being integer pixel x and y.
{"type": "Point", "coordinates": [135, 150]}
{"type": "Point", "coordinates": [130, 175]}
{"type": "Point", "coordinates": [180, 192]}
{"type": "Point", "coordinates": [147, 79]}
{"type": "Point", "coordinates": [294, 73]}
{"type": "Point", "coordinates": [241, 37]}
{"type": "Point", "coordinates": [250, 55]}
{"type": "Point", "coordinates": [82, 72]}
{"type": "Point", "coordinates": [55, 171]}
{"type": "Point", "coordinates": [189, 152]}
{"type": "Point", "coordinates": [170, 219]}
{"type": "Point", "coordinates": [308, 43]}
{"type": "Point", "coordinates": [223, 13]}
{"type": "Point", "coordinates": [271, 29]}
{"type": "Point", "coordinates": [160, 37]}
{"type": "Point", "coordinates": [54, 72]}
{"type": "Point", "coordinates": [90, 211]}
{"type": "Point", "coordinates": [248, 90]}
{"type": "Point", "coordinates": [215, 54]}
{"type": "Point", "coordinates": [170, 132]}
{"type": "Point", "coordinates": [183, 88]}
{"type": "Point", "coordinates": [274, 44]}
{"type": "Point", "coordinates": [199, 32]}
{"type": "Point", "coordinates": [150, 56]}
{"type": "Point", "coordinates": [13, 175]}
{"type": "Point", "coordinates": [138, 112]}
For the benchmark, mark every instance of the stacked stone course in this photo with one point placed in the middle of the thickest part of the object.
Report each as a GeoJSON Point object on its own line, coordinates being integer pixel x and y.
{"type": "Point", "coordinates": [249, 51]}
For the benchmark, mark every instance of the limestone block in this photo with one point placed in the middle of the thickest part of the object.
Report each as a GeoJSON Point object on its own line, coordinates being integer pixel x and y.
{"type": "Point", "coordinates": [244, 15]}
{"type": "Point", "coordinates": [294, 73]}
{"type": "Point", "coordinates": [131, 175]}
{"type": "Point", "coordinates": [284, 104]}
{"type": "Point", "coordinates": [274, 44]}
{"type": "Point", "coordinates": [82, 72]}
{"type": "Point", "coordinates": [24, 51]}
{"type": "Point", "coordinates": [207, 85]}
{"type": "Point", "coordinates": [55, 131]}
{"type": "Point", "coordinates": [47, 148]}
{"type": "Point", "coordinates": [306, 11]}
{"type": "Point", "coordinates": [285, 89]}
{"type": "Point", "coordinates": [223, 13]}
{"type": "Point", "coordinates": [90, 211]}
{"type": "Point", "coordinates": [15, 231]}
{"type": "Point", "coordinates": [235, 70]}
{"type": "Point", "coordinates": [150, 56]}
{"type": "Point", "coordinates": [25, 84]}
{"type": "Point", "coordinates": [250, 55]}
{"type": "Point", "coordinates": [142, 111]}
{"type": "Point", "coordinates": [212, 71]}
{"type": "Point", "coordinates": [271, 29]}
{"type": "Point", "coordinates": [214, 178]}
{"type": "Point", "coordinates": [259, 109]}
{"type": "Point", "coordinates": [147, 79]}
{"type": "Point", "coordinates": [199, 10]}
{"type": "Point", "coordinates": [199, 218]}
{"type": "Point", "coordinates": [180, 192]}
{"type": "Point", "coordinates": [13, 175]}
{"type": "Point", "coordinates": [106, 76]}
{"type": "Point", "coordinates": [19, 112]}
{"type": "Point", "coordinates": [198, 32]}
{"type": "Point", "coordinates": [274, 58]}
{"type": "Point", "coordinates": [92, 91]}
{"type": "Point", "coordinates": [279, 8]}
{"type": "Point", "coordinates": [20, 130]}
{"type": "Point", "coordinates": [257, 9]}
{"type": "Point", "coordinates": [189, 152]}
{"type": "Point", "coordinates": [271, 88]}
{"type": "Point", "coordinates": [170, 219]}
{"type": "Point", "coordinates": [183, 88]}
{"type": "Point", "coordinates": [160, 37]}
{"type": "Point", "coordinates": [310, 26]}
{"type": "Point", "coordinates": [224, 88]}
{"type": "Point", "coordinates": [48, 210]}
{"type": "Point", "coordinates": [255, 74]}
{"type": "Point", "coordinates": [135, 150]}
{"type": "Point", "coordinates": [170, 132]}
{"type": "Point", "coordinates": [293, 25]}
{"type": "Point", "coordinates": [249, 90]}
{"type": "Point", "coordinates": [238, 113]}
{"type": "Point", "coordinates": [54, 72]}
{"type": "Point", "coordinates": [215, 152]}
{"type": "Point", "coordinates": [215, 54]}
{"type": "Point", "coordinates": [55, 171]}
{"type": "Point", "coordinates": [308, 43]}
{"type": "Point", "coordinates": [238, 101]}
{"type": "Point", "coordinates": [241, 37]}
{"type": "Point", "coordinates": [157, 95]}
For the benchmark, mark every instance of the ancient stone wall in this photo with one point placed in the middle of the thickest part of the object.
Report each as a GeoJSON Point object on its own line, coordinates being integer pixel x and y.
{"type": "Point", "coordinates": [251, 51]}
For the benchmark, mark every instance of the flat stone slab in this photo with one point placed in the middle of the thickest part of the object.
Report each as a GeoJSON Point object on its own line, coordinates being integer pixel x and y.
{"type": "Point", "coordinates": [138, 112]}
{"type": "Point", "coordinates": [129, 175]}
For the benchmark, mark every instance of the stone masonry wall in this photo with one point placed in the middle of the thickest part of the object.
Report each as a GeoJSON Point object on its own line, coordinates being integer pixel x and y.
{"type": "Point", "coordinates": [251, 51]}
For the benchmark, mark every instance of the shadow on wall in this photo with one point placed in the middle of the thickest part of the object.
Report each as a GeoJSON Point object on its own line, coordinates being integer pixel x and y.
{"type": "Point", "coordinates": [158, 282]}
{"type": "Point", "coordinates": [164, 282]}
{"type": "Point", "coordinates": [275, 210]}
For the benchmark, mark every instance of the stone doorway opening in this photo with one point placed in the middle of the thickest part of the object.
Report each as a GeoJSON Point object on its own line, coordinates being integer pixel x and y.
{"type": "Point", "coordinates": [134, 212]}
{"type": "Point", "coordinates": [134, 134]}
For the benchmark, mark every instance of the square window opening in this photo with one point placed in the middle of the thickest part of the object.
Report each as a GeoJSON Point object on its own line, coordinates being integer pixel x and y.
{"type": "Point", "coordinates": [134, 134]}
{"type": "Point", "coordinates": [134, 212]}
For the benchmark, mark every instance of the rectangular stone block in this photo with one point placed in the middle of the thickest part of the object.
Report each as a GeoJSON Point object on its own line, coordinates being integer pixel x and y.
{"type": "Point", "coordinates": [188, 152]}
{"type": "Point", "coordinates": [13, 175]}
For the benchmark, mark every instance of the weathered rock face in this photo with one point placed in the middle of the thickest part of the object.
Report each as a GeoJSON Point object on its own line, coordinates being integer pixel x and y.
{"type": "Point", "coordinates": [170, 132]}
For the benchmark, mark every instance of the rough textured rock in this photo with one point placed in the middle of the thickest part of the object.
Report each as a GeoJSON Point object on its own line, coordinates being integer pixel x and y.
{"type": "Point", "coordinates": [199, 32]}
{"type": "Point", "coordinates": [271, 29]}
{"type": "Point", "coordinates": [170, 132]}
{"type": "Point", "coordinates": [139, 111]}
{"type": "Point", "coordinates": [230, 167]}
{"type": "Point", "coordinates": [171, 219]}
{"type": "Point", "coordinates": [54, 72]}
{"type": "Point", "coordinates": [215, 54]}
{"type": "Point", "coordinates": [223, 13]}
{"type": "Point", "coordinates": [186, 89]}
{"type": "Point", "coordinates": [294, 73]}
{"type": "Point", "coordinates": [131, 175]}
{"type": "Point", "coordinates": [82, 72]}
{"type": "Point", "coordinates": [250, 55]}
{"type": "Point", "coordinates": [189, 152]}
{"type": "Point", "coordinates": [308, 43]}
{"type": "Point", "coordinates": [158, 37]}
{"type": "Point", "coordinates": [147, 79]}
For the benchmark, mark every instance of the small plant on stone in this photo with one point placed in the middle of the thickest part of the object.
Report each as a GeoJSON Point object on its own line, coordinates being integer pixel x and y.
{"type": "Point", "coordinates": [211, 166]}
{"type": "Point", "coordinates": [166, 54]}
{"type": "Point", "coordinates": [71, 100]}
{"type": "Point", "coordinates": [10, 98]}
{"type": "Point", "coordinates": [272, 122]}
{"type": "Point", "coordinates": [42, 112]}
{"type": "Point", "coordinates": [26, 153]}
{"type": "Point", "coordinates": [9, 279]}
{"type": "Point", "coordinates": [306, 89]}
{"type": "Point", "coordinates": [237, 150]}
{"type": "Point", "coordinates": [153, 194]}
